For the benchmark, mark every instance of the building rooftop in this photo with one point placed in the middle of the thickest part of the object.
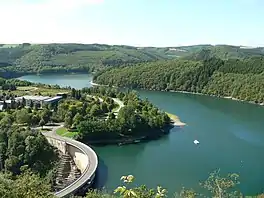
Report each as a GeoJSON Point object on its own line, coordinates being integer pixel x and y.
{"type": "Point", "coordinates": [54, 98]}
{"type": "Point", "coordinates": [6, 101]}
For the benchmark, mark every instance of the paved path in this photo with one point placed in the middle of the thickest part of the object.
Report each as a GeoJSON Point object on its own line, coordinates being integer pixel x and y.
{"type": "Point", "coordinates": [120, 103]}
{"type": "Point", "coordinates": [88, 174]}
{"type": "Point", "coordinates": [116, 100]}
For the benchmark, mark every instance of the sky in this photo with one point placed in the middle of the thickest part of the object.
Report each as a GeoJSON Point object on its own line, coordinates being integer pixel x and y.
{"type": "Point", "coordinates": [140, 23]}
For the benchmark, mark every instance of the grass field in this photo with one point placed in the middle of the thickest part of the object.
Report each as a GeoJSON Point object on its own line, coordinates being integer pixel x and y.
{"type": "Point", "coordinates": [65, 133]}
{"type": "Point", "coordinates": [30, 90]}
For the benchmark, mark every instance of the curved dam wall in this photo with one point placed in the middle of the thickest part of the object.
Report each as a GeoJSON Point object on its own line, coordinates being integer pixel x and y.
{"type": "Point", "coordinates": [80, 159]}
{"type": "Point", "coordinates": [84, 157]}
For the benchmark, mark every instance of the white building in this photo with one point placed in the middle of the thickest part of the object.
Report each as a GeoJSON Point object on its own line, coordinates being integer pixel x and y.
{"type": "Point", "coordinates": [39, 99]}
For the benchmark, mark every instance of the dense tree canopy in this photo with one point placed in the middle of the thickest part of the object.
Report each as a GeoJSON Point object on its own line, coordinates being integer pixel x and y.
{"type": "Point", "coordinates": [48, 58]}
{"type": "Point", "coordinates": [24, 59]}
{"type": "Point", "coordinates": [242, 79]}
{"type": "Point", "coordinates": [94, 114]}
{"type": "Point", "coordinates": [26, 185]}
{"type": "Point", "coordinates": [22, 148]}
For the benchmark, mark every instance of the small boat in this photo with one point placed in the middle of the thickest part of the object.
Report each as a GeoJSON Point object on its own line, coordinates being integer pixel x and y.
{"type": "Point", "coordinates": [196, 142]}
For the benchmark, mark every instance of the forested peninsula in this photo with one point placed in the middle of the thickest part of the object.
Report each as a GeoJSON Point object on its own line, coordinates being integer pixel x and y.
{"type": "Point", "coordinates": [242, 79]}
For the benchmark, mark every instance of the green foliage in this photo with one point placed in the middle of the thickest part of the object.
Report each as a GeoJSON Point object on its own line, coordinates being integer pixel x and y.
{"type": "Point", "coordinates": [139, 192]}
{"type": "Point", "coordinates": [48, 58]}
{"type": "Point", "coordinates": [224, 52]}
{"type": "Point", "coordinates": [27, 185]}
{"type": "Point", "coordinates": [220, 186]}
{"type": "Point", "coordinates": [137, 119]}
{"type": "Point", "coordinates": [22, 148]}
{"type": "Point", "coordinates": [217, 186]}
{"type": "Point", "coordinates": [22, 116]}
{"type": "Point", "coordinates": [241, 79]}
{"type": "Point", "coordinates": [67, 57]}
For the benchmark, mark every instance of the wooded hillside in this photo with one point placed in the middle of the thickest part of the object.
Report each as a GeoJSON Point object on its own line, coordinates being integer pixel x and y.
{"type": "Point", "coordinates": [242, 79]}
{"type": "Point", "coordinates": [16, 60]}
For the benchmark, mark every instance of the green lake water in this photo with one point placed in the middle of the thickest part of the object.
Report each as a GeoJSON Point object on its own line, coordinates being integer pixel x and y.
{"type": "Point", "coordinates": [231, 136]}
{"type": "Point", "coordinates": [64, 80]}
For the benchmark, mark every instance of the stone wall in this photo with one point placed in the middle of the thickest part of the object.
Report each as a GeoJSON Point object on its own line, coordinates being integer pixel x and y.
{"type": "Point", "coordinates": [80, 159]}
{"type": "Point", "coordinates": [59, 144]}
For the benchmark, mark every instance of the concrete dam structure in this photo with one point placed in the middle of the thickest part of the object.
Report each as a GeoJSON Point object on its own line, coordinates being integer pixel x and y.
{"type": "Point", "coordinates": [84, 158]}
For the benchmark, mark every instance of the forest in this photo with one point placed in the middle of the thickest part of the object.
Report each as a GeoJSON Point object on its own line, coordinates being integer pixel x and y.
{"type": "Point", "coordinates": [95, 117]}
{"type": "Point", "coordinates": [26, 58]}
{"type": "Point", "coordinates": [27, 160]}
{"type": "Point", "coordinates": [91, 112]}
{"type": "Point", "coordinates": [238, 78]}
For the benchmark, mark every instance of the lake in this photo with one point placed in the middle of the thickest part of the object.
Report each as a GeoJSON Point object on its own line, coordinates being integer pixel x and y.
{"type": "Point", "coordinates": [231, 136]}
{"type": "Point", "coordinates": [77, 81]}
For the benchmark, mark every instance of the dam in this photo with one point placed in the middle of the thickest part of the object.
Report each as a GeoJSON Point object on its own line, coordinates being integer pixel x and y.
{"type": "Point", "coordinates": [84, 163]}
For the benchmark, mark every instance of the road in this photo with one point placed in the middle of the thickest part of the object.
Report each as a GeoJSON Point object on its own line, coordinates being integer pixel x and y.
{"type": "Point", "coordinates": [120, 103]}
{"type": "Point", "coordinates": [116, 100]}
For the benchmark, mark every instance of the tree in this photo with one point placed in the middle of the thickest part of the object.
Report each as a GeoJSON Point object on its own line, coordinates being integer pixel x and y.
{"type": "Point", "coordinates": [27, 185]}
{"type": "Point", "coordinates": [219, 187]}
{"type": "Point", "coordinates": [36, 106]}
{"type": "Point", "coordinates": [31, 104]}
{"type": "Point", "coordinates": [4, 105]}
{"type": "Point", "coordinates": [68, 120]}
{"type": "Point", "coordinates": [42, 122]}
{"type": "Point", "coordinates": [95, 110]}
{"type": "Point", "coordinates": [23, 104]}
{"type": "Point", "coordinates": [73, 93]}
{"type": "Point", "coordinates": [77, 119]}
{"type": "Point", "coordinates": [141, 191]}
{"type": "Point", "coordinates": [45, 115]}
{"type": "Point", "coordinates": [35, 120]}
{"type": "Point", "coordinates": [103, 107]}
{"type": "Point", "coordinates": [112, 116]}
{"type": "Point", "coordinates": [127, 117]}
{"type": "Point", "coordinates": [22, 116]}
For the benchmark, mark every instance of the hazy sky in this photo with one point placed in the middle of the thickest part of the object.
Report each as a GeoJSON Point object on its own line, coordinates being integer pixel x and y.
{"type": "Point", "coordinates": [133, 22]}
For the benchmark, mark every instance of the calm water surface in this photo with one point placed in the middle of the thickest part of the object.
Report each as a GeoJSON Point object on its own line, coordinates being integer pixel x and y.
{"type": "Point", "coordinates": [231, 136]}
{"type": "Point", "coordinates": [64, 80]}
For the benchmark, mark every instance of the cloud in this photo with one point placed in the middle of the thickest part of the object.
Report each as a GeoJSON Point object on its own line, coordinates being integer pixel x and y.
{"type": "Point", "coordinates": [38, 21]}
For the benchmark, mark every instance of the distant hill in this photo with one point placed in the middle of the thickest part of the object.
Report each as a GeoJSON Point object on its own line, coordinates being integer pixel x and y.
{"type": "Point", "coordinates": [25, 58]}
{"type": "Point", "coordinates": [225, 52]}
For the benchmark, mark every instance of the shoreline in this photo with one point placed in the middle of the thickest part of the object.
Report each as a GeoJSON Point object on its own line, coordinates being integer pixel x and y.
{"type": "Point", "coordinates": [175, 120]}
{"type": "Point", "coordinates": [194, 93]}
{"type": "Point", "coordinates": [224, 97]}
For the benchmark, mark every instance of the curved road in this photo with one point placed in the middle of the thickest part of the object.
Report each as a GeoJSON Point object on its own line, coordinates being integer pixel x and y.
{"type": "Point", "coordinates": [119, 102]}
{"type": "Point", "coordinates": [89, 172]}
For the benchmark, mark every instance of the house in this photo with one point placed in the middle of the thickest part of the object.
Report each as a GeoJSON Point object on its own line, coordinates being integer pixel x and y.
{"type": "Point", "coordinates": [53, 100]}
{"type": "Point", "coordinates": [29, 100]}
